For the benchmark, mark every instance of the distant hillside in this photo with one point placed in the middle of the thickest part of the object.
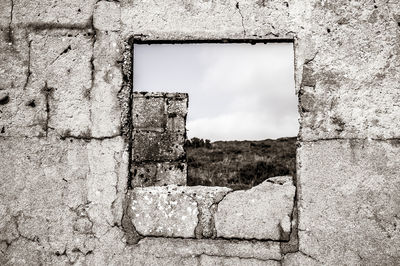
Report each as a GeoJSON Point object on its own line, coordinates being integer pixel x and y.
{"type": "Point", "coordinates": [239, 164]}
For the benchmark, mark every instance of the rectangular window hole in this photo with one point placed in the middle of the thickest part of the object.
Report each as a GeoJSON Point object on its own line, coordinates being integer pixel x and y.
{"type": "Point", "coordinates": [242, 120]}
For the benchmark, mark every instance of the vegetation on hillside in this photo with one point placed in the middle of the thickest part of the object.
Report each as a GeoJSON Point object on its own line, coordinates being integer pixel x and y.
{"type": "Point", "coordinates": [239, 164]}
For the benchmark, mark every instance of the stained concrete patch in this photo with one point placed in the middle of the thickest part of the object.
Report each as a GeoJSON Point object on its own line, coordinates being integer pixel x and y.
{"type": "Point", "coordinates": [263, 212]}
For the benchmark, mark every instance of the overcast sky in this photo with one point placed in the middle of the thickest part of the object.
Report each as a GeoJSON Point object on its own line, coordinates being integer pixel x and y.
{"type": "Point", "coordinates": [236, 91]}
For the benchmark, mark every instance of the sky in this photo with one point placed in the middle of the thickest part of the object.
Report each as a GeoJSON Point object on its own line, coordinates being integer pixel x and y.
{"type": "Point", "coordinates": [236, 91]}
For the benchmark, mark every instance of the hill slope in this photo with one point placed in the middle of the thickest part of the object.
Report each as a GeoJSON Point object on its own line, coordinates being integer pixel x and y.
{"type": "Point", "coordinates": [239, 164]}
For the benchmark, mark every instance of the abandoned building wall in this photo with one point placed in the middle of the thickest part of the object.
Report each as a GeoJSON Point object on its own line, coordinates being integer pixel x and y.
{"type": "Point", "coordinates": [66, 136]}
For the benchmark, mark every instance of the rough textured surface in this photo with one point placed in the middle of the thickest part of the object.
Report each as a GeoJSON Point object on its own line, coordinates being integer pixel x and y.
{"type": "Point", "coordinates": [65, 100]}
{"type": "Point", "coordinates": [263, 212]}
{"type": "Point", "coordinates": [298, 258]}
{"type": "Point", "coordinates": [107, 16]}
{"type": "Point", "coordinates": [350, 201]}
{"type": "Point", "coordinates": [106, 107]}
{"type": "Point", "coordinates": [349, 87]}
{"type": "Point", "coordinates": [52, 12]}
{"type": "Point", "coordinates": [208, 260]}
{"type": "Point", "coordinates": [158, 174]}
{"type": "Point", "coordinates": [337, 98]}
{"type": "Point", "coordinates": [78, 189]}
{"type": "Point", "coordinates": [159, 124]}
{"type": "Point", "coordinates": [157, 211]}
{"type": "Point", "coordinates": [65, 69]}
{"type": "Point", "coordinates": [174, 211]}
{"type": "Point", "coordinates": [17, 116]}
{"type": "Point", "coordinates": [164, 248]}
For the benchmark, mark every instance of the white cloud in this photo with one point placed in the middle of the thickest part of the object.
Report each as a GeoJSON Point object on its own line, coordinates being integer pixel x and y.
{"type": "Point", "coordinates": [236, 91]}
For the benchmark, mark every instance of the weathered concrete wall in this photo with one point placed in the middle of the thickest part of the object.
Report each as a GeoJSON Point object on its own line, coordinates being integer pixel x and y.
{"type": "Point", "coordinates": [66, 136]}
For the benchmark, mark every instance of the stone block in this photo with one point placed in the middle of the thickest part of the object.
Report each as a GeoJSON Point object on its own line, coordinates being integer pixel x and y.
{"type": "Point", "coordinates": [163, 211]}
{"type": "Point", "coordinates": [176, 124]}
{"type": "Point", "coordinates": [263, 212]}
{"type": "Point", "coordinates": [106, 16]}
{"type": "Point", "coordinates": [5, 14]}
{"type": "Point", "coordinates": [210, 19]}
{"type": "Point", "coordinates": [170, 247]}
{"type": "Point", "coordinates": [155, 146]}
{"type": "Point", "coordinates": [149, 113]}
{"type": "Point", "coordinates": [349, 201]}
{"type": "Point", "coordinates": [158, 174]}
{"type": "Point", "coordinates": [64, 77]}
{"type": "Point", "coordinates": [350, 93]}
{"type": "Point", "coordinates": [178, 106]}
{"type": "Point", "coordinates": [22, 108]}
{"type": "Point", "coordinates": [159, 111]}
{"type": "Point", "coordinates": [205, 260]}
{"type": "Point", "coordinates": [106, 100]}
{"type": "Point", "coordinates": [60, 195]}
{"type": "Point", "coordinates": [173, 211]}
{"type": "Point", "coordinates": [75, 13]}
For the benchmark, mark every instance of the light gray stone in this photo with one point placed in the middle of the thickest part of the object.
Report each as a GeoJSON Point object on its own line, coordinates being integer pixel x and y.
{"type": "Point", "coordinates": [63, 75]}
{"type": "Point", "coordinates": [5, 14]}
{"type": "Point", "coordinates": [163, 211]}
{"type": "Point", "coordinates": [70, 13]}
{"type": "Point", "coordinates": [174, 211]}
{"type": "Point", "coordinates": [22, 112]}
{"type": "Point", "coordinates": [60, 196]}
{"type": "Point", "coordinates": [298, 258]}
{"type": "Point", "coordinates": [263, 212]}
{"type": "Point", "coordinates": [106, 16]}
{"type": "Point", "coordinates": [349, 201]}
{"type": "Point", "coordinates": [170, 247]}
{"type": "Point", "coordinates": [214, 260]}
{"type": "Point", "coordinates": [208, 20]}
{"type": "Point", "coordinates": [106, 108]}
{"type": "Point", "coordinates": [350, 83]}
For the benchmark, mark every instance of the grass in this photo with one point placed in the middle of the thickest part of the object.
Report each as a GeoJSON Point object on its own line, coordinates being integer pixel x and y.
{"type": "Point", "coordinates": [239, 164]}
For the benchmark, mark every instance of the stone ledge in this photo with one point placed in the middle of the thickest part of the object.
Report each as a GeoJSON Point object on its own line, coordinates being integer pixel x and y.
{"type": "Point", "coordinates": [171, 247]}
{"type": "Point", "coordinates": [262, 213]}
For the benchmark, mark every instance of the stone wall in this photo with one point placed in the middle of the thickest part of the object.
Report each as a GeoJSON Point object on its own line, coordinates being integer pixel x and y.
{"type": "Point", "coordinates": [67, 117]}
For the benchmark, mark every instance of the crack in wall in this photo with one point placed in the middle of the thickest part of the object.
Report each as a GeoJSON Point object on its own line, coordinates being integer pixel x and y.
{"type": "Point", "coordinates": [47, 94]}
{"type": "Point", "coordinates": [241, 15]}
{"type": "Point", "coordinates": [28, 74]}
{"type": "Point", "coordinates": [92, 73]}
{"type": "Point", "coordinates": [10, 28]}
{"type": "Point", "coordinates": [126, 94]}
